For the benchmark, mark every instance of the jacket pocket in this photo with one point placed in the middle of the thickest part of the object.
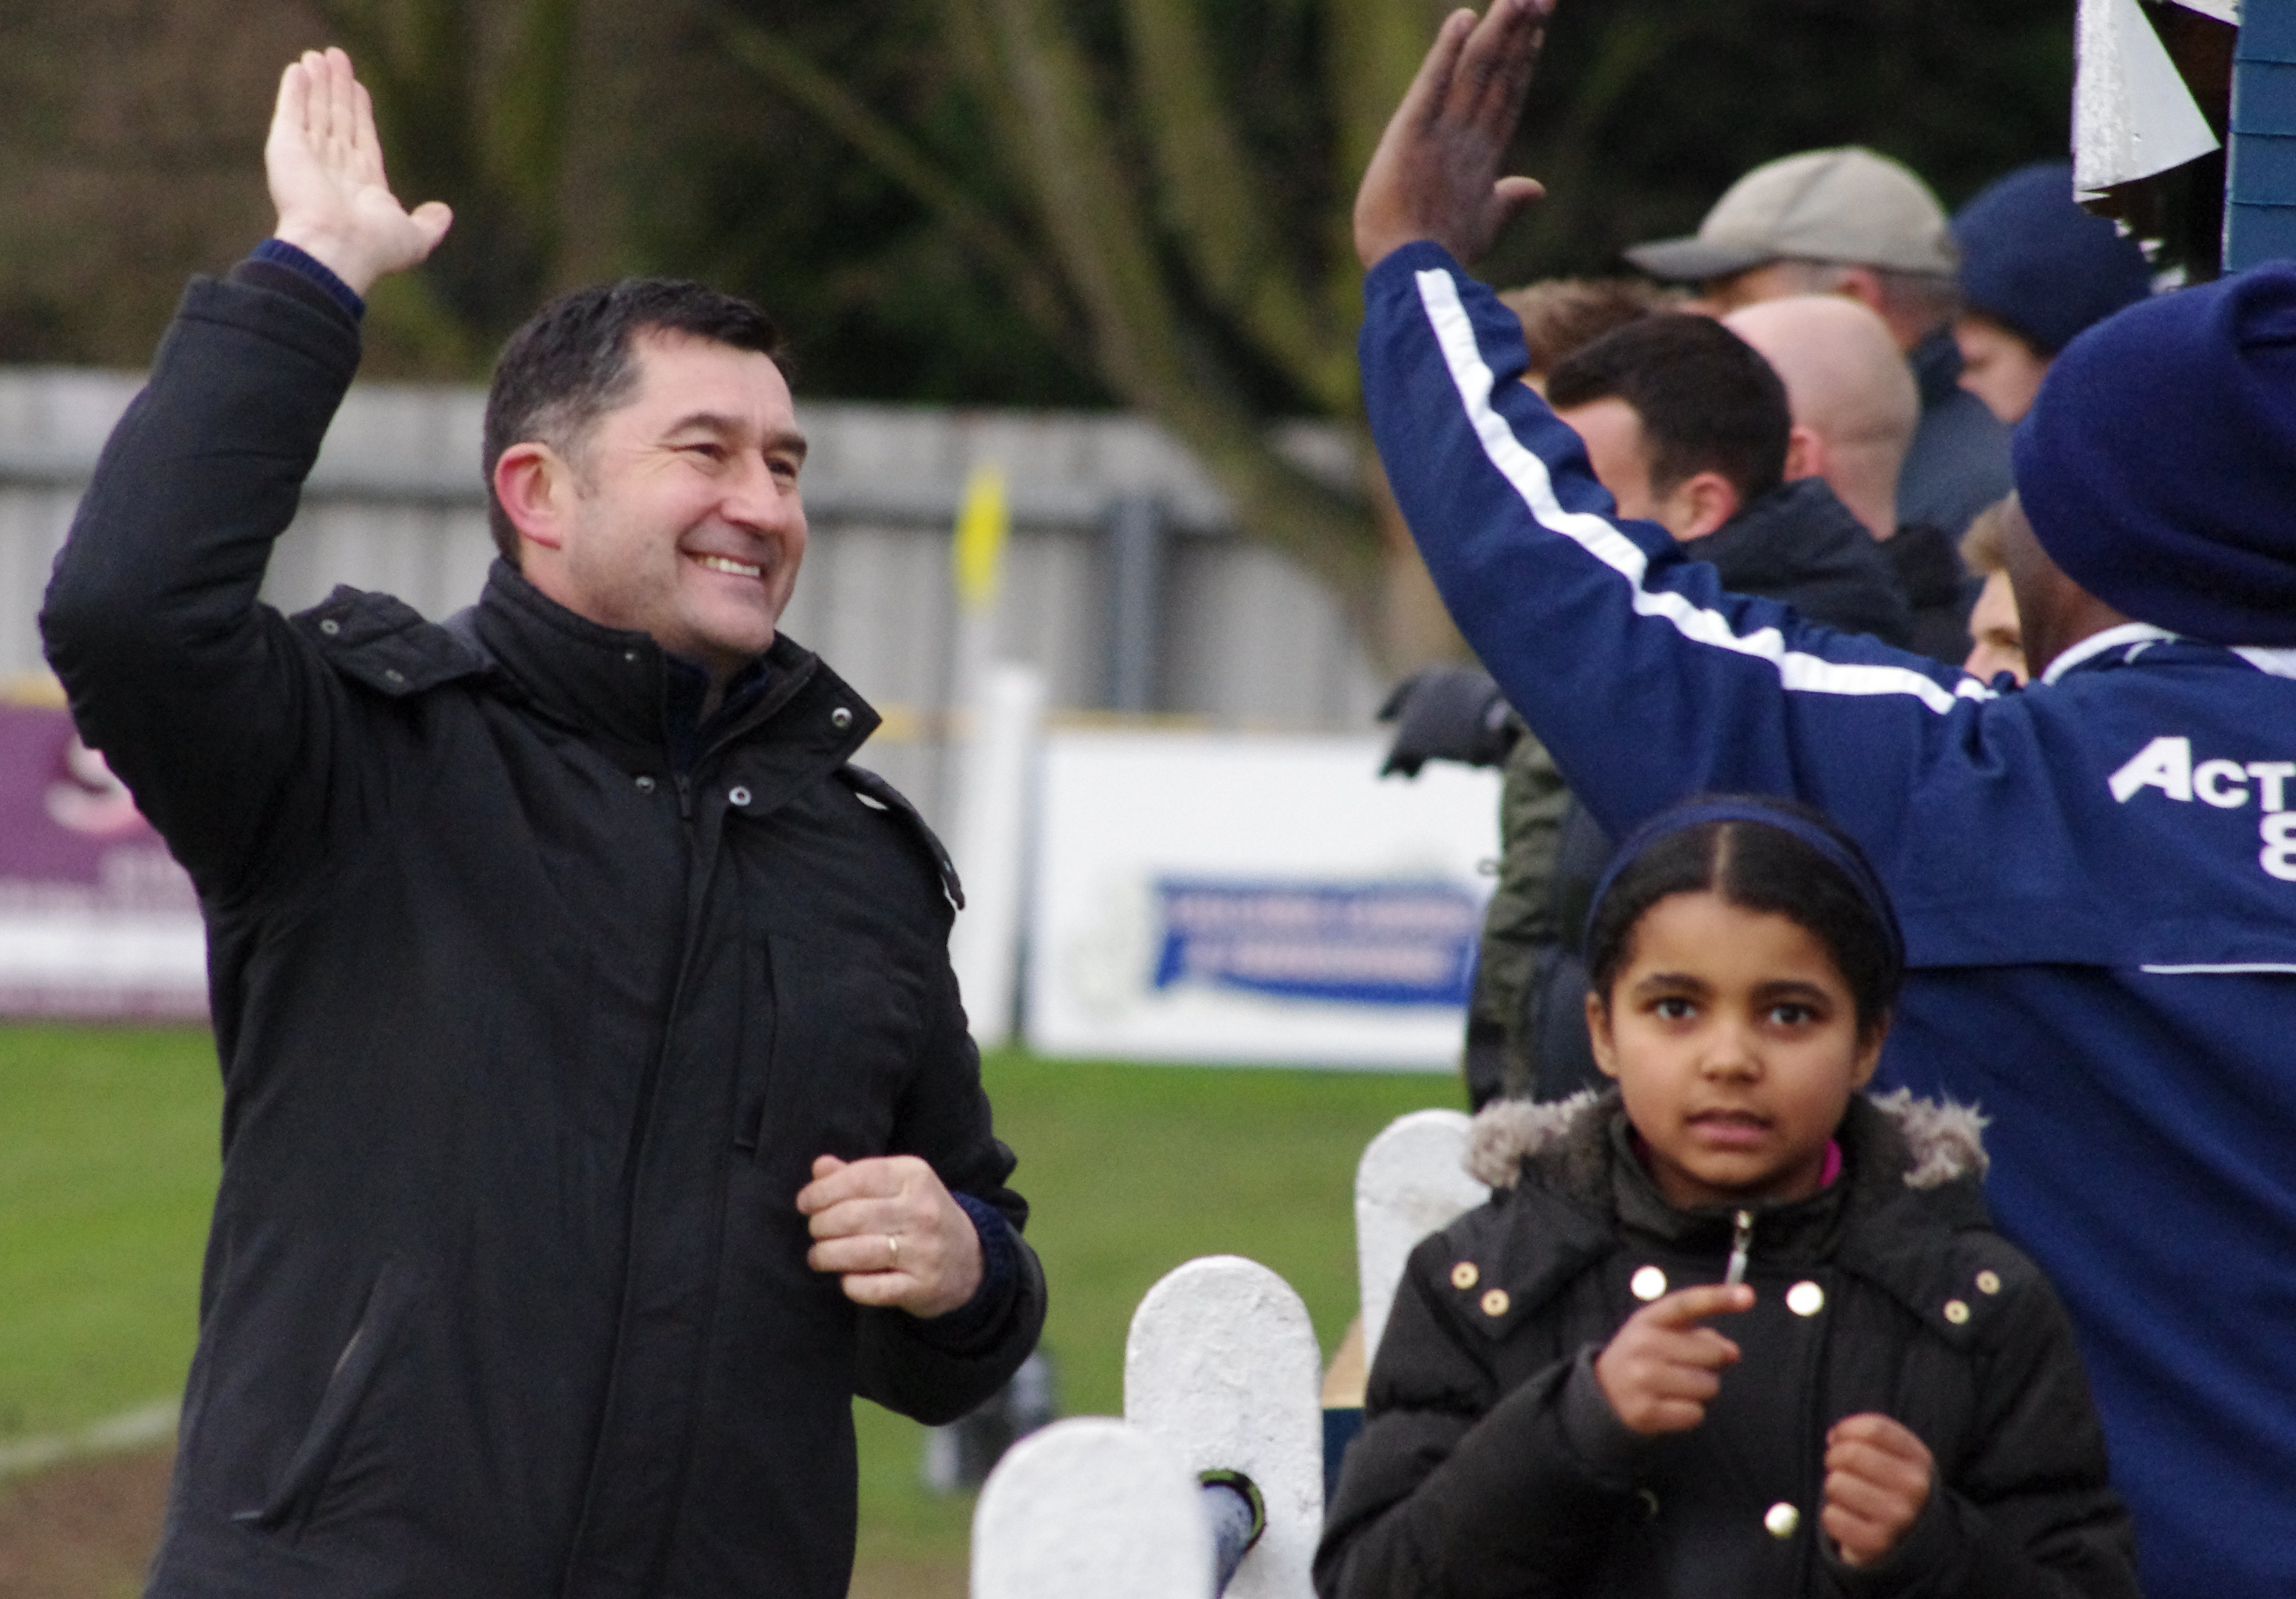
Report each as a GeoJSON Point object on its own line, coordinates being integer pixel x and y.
{"type": "Point", "coordinates": [829, 1058]}
{"type": "Point", "coordinates": [308, 1469]}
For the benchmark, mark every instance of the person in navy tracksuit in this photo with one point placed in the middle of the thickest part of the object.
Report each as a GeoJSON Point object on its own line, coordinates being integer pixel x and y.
{"type": "Point", "coordinates": [2096, 875]}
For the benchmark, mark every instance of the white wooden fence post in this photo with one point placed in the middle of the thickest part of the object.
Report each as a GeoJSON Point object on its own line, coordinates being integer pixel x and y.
{"type": "Point", "coordinates": [1412, 1181]}
{"type": "Point", "coordinates": [1091, 1508]}
{"type": "Point", "coordinates": [1222, 1366]}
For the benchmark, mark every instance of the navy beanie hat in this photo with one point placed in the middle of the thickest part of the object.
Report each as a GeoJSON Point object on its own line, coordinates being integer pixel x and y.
{"type": "Point", "coordinates": [2158, 465]}
{"type": "Point", "coordinates": [2036, 263]}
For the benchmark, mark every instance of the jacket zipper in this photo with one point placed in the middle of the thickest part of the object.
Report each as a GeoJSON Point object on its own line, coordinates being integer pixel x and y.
{"type": "Point", "coordinates": [1741, 1244]}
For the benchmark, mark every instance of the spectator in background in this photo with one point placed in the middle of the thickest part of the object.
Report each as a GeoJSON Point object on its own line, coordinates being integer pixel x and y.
{"type": "Point", "coordinates": [1850, 222]}
{"type": "Point", "coordinates": [1855, 408]}
{"type": "Point", "coordinates": [1564, 315]}
{"type": "Point", "coordinates": [1456, 713]}
{"type": "Point", "coordinates": [1997, 639]}
{"type": "Point", "coordinates": [1688, 427]}
{"type": "Point", "coordinates": [2035, 270]}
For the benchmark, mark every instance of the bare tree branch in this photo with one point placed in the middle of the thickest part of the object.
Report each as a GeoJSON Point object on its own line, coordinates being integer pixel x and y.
{"type": "Point", "coordinates": [1218, 210]}
{"type": "Point", "coordinates": [900, 159]}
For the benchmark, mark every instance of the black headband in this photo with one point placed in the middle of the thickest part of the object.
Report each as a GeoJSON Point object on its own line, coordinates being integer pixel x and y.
{"type": "Point", "coordinates": [1844, 854]}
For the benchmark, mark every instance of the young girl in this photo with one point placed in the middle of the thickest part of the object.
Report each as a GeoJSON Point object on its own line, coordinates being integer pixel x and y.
{"type": "Point", "coordinates": [1729, 1328]}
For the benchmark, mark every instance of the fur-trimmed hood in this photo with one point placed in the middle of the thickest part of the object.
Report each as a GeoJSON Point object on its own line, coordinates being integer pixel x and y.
{"type": "Point", "coordinates": [1943, 1141]}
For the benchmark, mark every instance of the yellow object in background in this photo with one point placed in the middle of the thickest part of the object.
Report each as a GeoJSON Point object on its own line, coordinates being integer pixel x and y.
{"type": "Point", "coordinates": [982, 522]}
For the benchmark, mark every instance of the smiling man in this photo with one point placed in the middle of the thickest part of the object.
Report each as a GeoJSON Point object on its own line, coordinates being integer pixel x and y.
{"type": "Point", "coordinates": [600, 1116]}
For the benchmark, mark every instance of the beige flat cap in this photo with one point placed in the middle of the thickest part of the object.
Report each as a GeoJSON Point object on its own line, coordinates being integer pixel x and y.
{"type": "Point", "coordinates": [1847, 205]}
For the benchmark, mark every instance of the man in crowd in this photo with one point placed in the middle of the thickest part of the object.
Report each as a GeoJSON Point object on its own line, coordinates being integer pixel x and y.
{"type": "Point", "coordinates": [2096, 876]}
{"type": "Point", "coordinates": [1855, 409]}
{"type": "Point", "coordinates": [1996, 644]}
{"type": "Point", "coordinates": [1688, 427]}
{"type": "Point", "coordinates": [2035, 269]}
{"type": "Point", "coordinates": [598, 1114]}
{"type": "Point", "coordinates": [1850, 222]}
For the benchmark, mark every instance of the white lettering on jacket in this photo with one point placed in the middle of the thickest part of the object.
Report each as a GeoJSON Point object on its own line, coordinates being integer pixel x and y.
{"type": "Point", "coordinates": [2166, 764]}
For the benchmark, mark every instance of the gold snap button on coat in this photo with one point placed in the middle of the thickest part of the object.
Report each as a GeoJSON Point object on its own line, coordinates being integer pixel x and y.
{"type": "Point", "coordinates": [1805, 1297]}
{"type": "Point", "coordinates": [1956, 1312]}
{"type": "Point", "coordinates": [1989, 1282]}
{"type": "Point", "coordinates": [1464, 1275]}
{"type": "Point", "coordinates": [1781, 1519]}
{"type": "Point", "coordinates": [840, 718]}
{"type": "Point", "coordinates": [1648, 1283]}
{"type": "Point", "coordinates": [739, 795]}
{"type": "Point", "coordinates": [1494, 1303]}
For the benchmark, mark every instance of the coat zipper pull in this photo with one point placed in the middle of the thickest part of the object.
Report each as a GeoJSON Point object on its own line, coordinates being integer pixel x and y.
{"type": "Point", "coordinates": [1741, 1241]}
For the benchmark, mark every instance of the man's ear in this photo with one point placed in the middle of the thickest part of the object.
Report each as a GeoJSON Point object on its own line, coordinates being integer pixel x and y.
{"type": "Point", "coordinates": [1699, 504]}
{"type": "Point", "coordinates": [1864, 285]}
{"type": "Point", "coordinates": [1806, 455]}
{"type": "Point", "coordinates": [536, 488]}
{"type": "Point", "coordinates": [1598, 1034]}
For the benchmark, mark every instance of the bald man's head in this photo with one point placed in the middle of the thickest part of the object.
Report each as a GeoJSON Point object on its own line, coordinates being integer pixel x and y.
{"type": "Point", "coordinates": [1850, 391]}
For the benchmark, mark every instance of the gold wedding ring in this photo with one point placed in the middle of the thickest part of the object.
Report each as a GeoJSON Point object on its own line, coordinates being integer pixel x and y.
{"type": "Point", "coordinates": [892, 1253]}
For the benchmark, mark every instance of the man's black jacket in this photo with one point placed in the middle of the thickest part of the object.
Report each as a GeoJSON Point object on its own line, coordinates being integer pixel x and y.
{"type": "Point", "coordinates": [527, 1039]}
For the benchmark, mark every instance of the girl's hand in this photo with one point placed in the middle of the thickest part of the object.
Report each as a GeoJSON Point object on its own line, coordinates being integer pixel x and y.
{"type": "Point", "coordinates": [1877, 1478]}
{"type": "Point", "coordinates": [1661, 1368]}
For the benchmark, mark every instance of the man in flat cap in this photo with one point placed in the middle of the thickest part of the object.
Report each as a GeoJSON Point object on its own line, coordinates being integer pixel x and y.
{"type": "Point", "coordinates": [1849, 221]}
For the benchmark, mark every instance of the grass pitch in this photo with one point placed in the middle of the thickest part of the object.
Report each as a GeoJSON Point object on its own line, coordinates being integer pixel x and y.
{"type": "Point", "coordinates": [108, 1142]}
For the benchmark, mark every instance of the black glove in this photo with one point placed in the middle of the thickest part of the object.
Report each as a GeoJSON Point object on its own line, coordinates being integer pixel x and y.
{"type": "Point", "coordinates": [1445, 713]}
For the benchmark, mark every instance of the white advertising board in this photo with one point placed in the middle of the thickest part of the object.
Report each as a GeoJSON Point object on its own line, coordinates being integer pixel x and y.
{"type": "Point", "coordinates": [1254, 899]}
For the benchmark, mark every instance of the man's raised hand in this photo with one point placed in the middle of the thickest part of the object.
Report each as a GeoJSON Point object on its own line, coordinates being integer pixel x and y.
{"type": "Point", "coordinates": [324, 165]}
{"type": "Point", "coordinates": [1660, 1369]}
{"type": "Point", "coordinates": [1436, 172]}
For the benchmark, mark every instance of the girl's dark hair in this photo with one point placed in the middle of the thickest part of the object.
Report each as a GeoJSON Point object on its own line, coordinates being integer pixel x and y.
{"type": "Point", "coordinates": [1758, 864]}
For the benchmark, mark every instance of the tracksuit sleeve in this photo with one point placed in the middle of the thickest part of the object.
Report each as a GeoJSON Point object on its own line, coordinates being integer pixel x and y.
{"type": "Point", "coordinates": [206, 703]}
{"type": "Point", "coordinates": [1645, 678]}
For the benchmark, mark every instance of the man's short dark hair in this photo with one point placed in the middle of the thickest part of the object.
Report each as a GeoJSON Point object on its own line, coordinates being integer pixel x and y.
{"type": "Point", "coordinates": [1708, 400]}
{"type": "Point", "coordinates": [571, 363]}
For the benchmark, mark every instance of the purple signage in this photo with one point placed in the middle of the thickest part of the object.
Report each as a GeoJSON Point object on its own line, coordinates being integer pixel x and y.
{"type": "Point", "coordinates": [97, 919]}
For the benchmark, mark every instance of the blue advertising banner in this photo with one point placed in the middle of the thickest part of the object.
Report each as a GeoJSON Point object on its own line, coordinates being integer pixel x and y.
{"type": "Point", "coordinates": [1378, 943]}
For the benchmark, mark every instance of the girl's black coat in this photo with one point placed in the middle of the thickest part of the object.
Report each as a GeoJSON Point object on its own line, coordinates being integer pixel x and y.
{"type": "Point", "coordinates": [1491, 1464]}
{"type": "Point", "coordinates": [530, 1034]}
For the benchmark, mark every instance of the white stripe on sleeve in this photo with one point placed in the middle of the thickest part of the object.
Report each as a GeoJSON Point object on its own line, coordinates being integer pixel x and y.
{"type": "Point", "coordinates": [1455, 335]}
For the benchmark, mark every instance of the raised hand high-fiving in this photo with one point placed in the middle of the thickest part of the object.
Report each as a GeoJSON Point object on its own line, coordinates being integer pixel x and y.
{"type": "Point", "coordinates": [325, 166]}
{"type": "Point", "coordinates": [1436, 172]}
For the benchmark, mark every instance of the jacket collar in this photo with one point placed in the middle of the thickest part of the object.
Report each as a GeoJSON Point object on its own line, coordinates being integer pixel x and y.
{"type": "Point", "coordinates": [620, 690]}
{"type": "Point", "coordinates": [1936, 361]}
{"type": "Point", "coordinates": [1909, 1186]}
{"type": "Point", "coordinates": [1576, 1148]}
{"type": "Point", "coordinates": [1776, 537]}
{"type": "Point", "coordinates": [2121, 638]}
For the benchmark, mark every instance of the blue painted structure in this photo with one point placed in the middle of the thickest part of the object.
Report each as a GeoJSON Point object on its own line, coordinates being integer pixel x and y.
{"type": "Point", "coordinates": [2261, 183]}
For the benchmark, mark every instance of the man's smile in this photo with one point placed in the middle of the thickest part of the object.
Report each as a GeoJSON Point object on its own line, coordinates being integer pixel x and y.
{"type": "Point", "coordinates": [727, 563]}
